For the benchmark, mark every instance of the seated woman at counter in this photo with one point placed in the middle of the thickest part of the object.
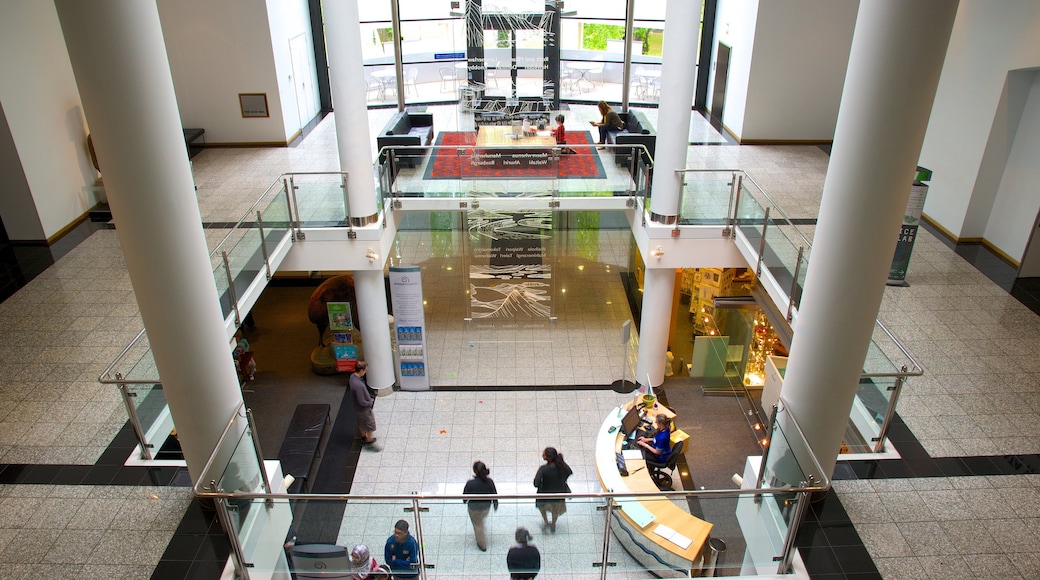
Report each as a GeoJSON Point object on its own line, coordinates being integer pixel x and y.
{"type": "Point", "coordinates": [657, 447]}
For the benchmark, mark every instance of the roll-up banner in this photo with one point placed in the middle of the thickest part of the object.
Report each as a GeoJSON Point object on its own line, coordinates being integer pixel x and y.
{"type": "Point", "coordinates": [406, 297]}
{"type": "Point", "coordinates": [908, 231]}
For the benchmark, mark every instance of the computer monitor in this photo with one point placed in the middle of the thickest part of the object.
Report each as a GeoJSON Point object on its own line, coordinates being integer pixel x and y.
{"type": "Point", "coordinates": [320, 561]}
{"type": "Point", "coordinates": [631, 420]}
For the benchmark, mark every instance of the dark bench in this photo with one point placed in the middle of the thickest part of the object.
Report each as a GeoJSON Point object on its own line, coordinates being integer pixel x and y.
{"type": "Point", "coordinates": [637, 131]}
{"type": "Point", "coordinates": [406, 129]}
{"type": "Point", "coordinates": [302, 443]}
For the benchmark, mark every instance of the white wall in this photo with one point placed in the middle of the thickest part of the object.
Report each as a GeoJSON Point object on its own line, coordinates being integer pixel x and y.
{"type": "Point", "coordinates": [41, 103]}
{"type": "Point", "coordinates": [218, 49]}
{"type": "Point", "coordinates": [289, 19]}
{"type": "Point", "coordinates": [989, 40]}
{"type": "Point", "coordinates": [1018, 197]}
{"type": "Point", "coordinates": [787, 66]}
{"type": "Point", "coordinates": [735, 27]}
{"type": "Point", "coordinates": [801, 52]}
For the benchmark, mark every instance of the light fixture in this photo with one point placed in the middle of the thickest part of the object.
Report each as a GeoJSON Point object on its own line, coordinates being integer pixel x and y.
{"type": "Point", "coordinates": [371, 255]}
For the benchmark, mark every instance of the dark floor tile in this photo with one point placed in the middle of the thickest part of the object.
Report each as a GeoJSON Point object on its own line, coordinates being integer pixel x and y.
{"type": "Point", "coordinates": [828, 510]}
{"type": "Point", "coordinates": [43, 474]}
{"type": "Point", "coordinates": [214, 547]}
{"type": "Point", "coordinates": [820, 560]}
{"type": "Point", "coordinates": [131, 476]}
{"type": "Point", "coordinates": [161, 476]}
{"type": "Point", "coordinates": [101, 475]}
{"type": "Point", "coordinates": [980, 466]}
{"type": "Point", "coordinates": [204, 570]}
{"type": "Point", "coordinates": [197, 521]}
{"type": "Point", "coordinates": [865, 469]}
{"type": "Point", "coordinates": [183, 547]}
{"type": "Point", "coordinates": [841, 534]}
{"type": "Point", "coordinates": [896, 468]}
{"type": "Point", "coordinates": [71, 474]}
{"type": "Point", "coordinates": [174, 570]}
{"type": "Point", "coordinates": [855, 560]}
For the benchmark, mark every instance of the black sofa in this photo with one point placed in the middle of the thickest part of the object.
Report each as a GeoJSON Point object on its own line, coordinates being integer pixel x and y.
{"type": "Point", "coordinates": [405, 129]}
{"type": "Point", "coordinates": [637, 131]}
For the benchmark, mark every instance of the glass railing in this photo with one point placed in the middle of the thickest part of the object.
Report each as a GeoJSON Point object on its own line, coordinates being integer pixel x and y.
{"type": "Point", "coordinates": [731, 532]}
{"type": "Point", "coordinates": [319, 199]}
{"type": "Point", "coordinates": [572, 171]}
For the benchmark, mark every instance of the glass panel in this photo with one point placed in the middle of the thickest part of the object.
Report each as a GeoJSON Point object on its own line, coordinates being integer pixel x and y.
{"type": "Point", "coordinates": [597, 9]}
{"type": "Point", "coordinates": [220, 277]}
{"type": "Point", "coordinates": [245, 258]}
{"type": "Point", "coordinates": [276, 220]}
{"type": "Point", "coordinates": [320, 199]}
{"type": "Point", "coordinates": [150, 406]}
{"type": "Point", "coordinates": [261, 526]}
{"type": "Point", "coordinates": [377, 42]}
{"type": "Point", "coordinates": [868, 412]}
{"type": "Point", "coordinates": [705, 197]}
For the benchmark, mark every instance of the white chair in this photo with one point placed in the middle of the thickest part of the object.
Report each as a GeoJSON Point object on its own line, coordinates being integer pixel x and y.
{"type": "Point", "coordinates": [491, 73]}
{"type": "Point", "coordinates": [448, 79]}
{"type": "Point", "coordinates": [411, 75]}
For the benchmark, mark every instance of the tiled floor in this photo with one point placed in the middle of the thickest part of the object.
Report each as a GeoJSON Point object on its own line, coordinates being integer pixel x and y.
{"type": "Point", "coordinates": [964, 504]}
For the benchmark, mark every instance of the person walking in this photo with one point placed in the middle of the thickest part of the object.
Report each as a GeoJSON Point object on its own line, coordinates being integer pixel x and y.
{"type": "Point", "coordinates": [363, 403]}
{"type": "Point", "coordinates": [479, 508]}
{"type": "Point", "coordinates": [523, 560]}
{"type": "Point", "coordinates": [552, 478]}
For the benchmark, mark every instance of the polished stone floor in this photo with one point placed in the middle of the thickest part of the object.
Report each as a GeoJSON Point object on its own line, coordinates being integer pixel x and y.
{"type": "Point", "coordinates": [963, 502]}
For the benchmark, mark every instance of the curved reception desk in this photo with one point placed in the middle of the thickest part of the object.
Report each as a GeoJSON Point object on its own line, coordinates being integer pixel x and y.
{"type": "Point", "coordinates": [659, 534]}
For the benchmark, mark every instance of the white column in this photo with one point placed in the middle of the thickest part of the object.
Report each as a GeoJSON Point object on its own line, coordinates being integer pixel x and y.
{"type": "Point", "coordinates": [121, 67]}
{"type": "Point", "coordinates": [370, 289]}
{"type": "Point", "coordinates": [346, 74]}
{"type": "Point", "coordinates": [654, 322]}
{"type": "Point", "coordinates": [897, 55]}
{"type": "Point", "coordinates": [349, 100]}
{"type": "Point", "coordinates": [673, 128]}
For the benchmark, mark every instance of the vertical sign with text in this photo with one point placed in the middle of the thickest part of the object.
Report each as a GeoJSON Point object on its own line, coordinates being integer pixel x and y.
{"type": "Point", "coordinates": [406, 297]}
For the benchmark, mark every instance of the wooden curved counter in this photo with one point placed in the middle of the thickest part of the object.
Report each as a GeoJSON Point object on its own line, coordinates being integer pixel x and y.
{"type": "Point", "coordinates": [635, 523]}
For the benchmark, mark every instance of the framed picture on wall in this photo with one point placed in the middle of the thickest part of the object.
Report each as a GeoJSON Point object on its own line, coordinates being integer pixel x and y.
{"type": "Point", "coordinates": [253, 104]}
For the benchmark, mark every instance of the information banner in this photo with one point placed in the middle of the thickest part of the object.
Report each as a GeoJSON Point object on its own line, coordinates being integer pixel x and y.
{"type": "Point", "coordinates": [406, 297]}
{"type": "Point", "coordinates": [908, 231]}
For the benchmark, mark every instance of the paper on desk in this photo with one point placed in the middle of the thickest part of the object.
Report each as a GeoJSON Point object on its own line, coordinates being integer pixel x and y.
{"type": "Point", "coordinates": [673, 536]}
{"type": "Point", "coordinates": [632, 454]}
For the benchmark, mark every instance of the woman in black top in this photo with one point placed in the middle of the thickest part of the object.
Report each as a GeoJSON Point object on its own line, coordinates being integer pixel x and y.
{"type": "Point", "coordinates": [479, 508]}
{"type": "Point", "coordinates": [610, 123]}
{"type": "Point", "coordinates": [523, 561]}
{"type": "Point", "coordinates": [552, 478]}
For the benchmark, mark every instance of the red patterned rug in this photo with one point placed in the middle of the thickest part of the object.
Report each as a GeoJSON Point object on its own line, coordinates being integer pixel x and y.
{"type": "Point", "coordinates": [449, 163]}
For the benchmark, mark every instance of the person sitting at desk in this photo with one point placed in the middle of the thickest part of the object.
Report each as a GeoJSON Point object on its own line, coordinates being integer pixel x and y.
{"type": "Point", "coordinates": [658, 446]}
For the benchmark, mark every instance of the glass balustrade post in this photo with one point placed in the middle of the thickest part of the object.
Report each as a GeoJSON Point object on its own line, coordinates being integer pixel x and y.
{"type": "Point", "coordinates": [605, 562]}
{"type": "Point", "coordinates": [794, 282]}
{"type": "Point", "coordinates": [765, 452]}
{"type": "Point", "coordinates": [346, 207]}
{"type": "Point", "coordinates": [263, 243]}
{"type": "Point", "coordinates": [294, 209]}
{"type": "Point", "coordinates": [890, 411]}
{"type": "Point", "coordinates": [251, 425]}
{"type": "Point", "coordinates": [231, 289]}
{"type": "Point", "coordinates": [135, 421]}
{"type": "Point", "coordinates": [762, 244]}
{"type": "Point", "coordinates": [735, 185]}
{"type": "Point", "coordinates": [238, 558]}
{"type": "Point", "coordinates": [679, 199]}
{"type": "Point", "coordinates": [801, 505]}
{"type": "Point", "coordinates": [417, 509]}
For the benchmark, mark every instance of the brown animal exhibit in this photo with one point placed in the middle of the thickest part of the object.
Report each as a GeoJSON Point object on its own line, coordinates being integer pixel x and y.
{"type": "Point", "coordinates": [335, 289]}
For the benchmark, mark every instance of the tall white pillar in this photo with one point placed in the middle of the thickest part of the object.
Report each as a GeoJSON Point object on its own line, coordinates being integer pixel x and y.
{"type": "Point", "coordinates": [350, 103]}
{"type": "Point", "coordinates": [349, 97]}
{"type": "Point", "coordinates": [120, 63]}
{"type": "Point", "coordinates": [654, 323]}
{"type": "Point", "coordinates": [897, 54]}
{"type": "Point", "coordinates": [673, 128]}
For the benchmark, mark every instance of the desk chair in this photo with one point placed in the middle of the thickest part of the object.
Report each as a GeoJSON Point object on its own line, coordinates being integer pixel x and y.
{"type": "Point", "coordinates": [657, 467]}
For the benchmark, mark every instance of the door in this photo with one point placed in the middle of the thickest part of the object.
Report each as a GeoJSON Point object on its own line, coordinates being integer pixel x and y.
{"type": "Point", "coordinates": [303, 79]}
{"type": "Point", "coordinates": [718, 95]}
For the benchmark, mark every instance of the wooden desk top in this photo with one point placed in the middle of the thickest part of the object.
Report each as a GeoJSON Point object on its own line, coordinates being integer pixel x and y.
{"type": "Point", "coordinates": [664, 511]}
{"type": "Point", "coordinates": [501, 136]}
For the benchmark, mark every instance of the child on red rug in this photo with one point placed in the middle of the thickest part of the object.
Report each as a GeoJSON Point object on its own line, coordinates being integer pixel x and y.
{"type": "Point", "coordinates": [560, 134]}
